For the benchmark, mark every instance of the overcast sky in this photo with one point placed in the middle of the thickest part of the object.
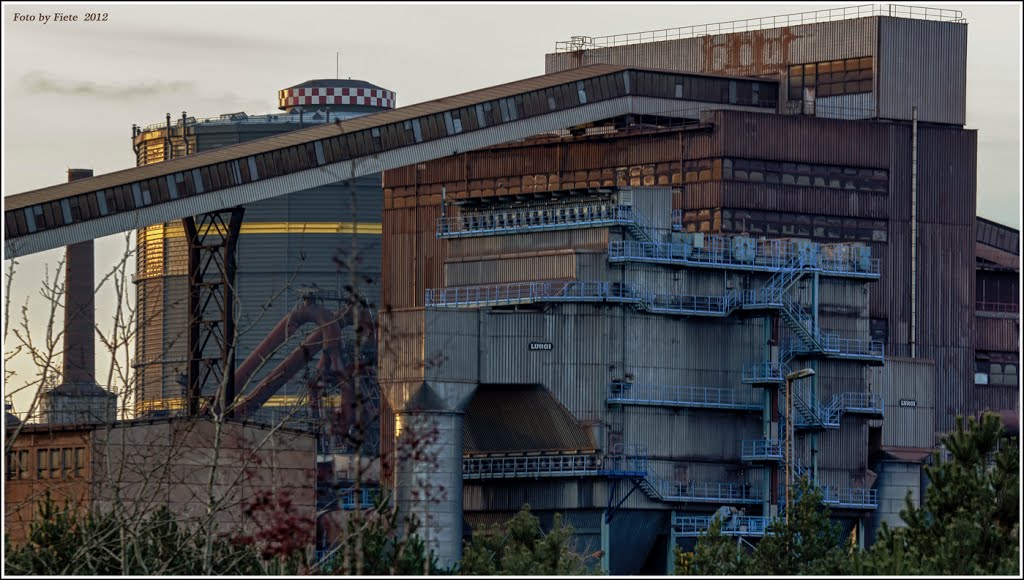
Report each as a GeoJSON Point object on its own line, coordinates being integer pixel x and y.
{"type": "Point", "coordinates": [72, 90]}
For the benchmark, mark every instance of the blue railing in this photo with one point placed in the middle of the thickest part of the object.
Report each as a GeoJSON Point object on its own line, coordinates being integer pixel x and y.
{"type": "Point", "coordinates": [705, 492]}
{"type": "Point", "coordinates": [367, 498]}
{"type": "Point", "coordinates": [632, 463]}
{"type": "Point", "coordinates": [534, 219]}
{"type": "Point", "coordinates": [765, 372]}
{"type": "Point", "coordinates": [859, 403]}
{"type": "Point", "coordinates": [527, 292]}
{"type": "Point", "coordinates": [693, 305]}
{"type": "Point", "coordinates": [851, 497]}
{"type": "Point", "coordinates": [731, 525]}
{"type": "Point", "coordinates": [678, 396]}
{"type": "Point", "coordinates": [589, 291]}
{"type": "Point", "coordinates": [762, 450]}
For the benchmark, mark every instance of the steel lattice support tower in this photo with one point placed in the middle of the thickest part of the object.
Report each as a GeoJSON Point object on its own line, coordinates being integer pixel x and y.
{"type": "Point", "coordinates": [212, 239]}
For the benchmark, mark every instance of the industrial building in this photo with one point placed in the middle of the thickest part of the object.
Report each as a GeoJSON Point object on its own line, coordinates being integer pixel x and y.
{"type": "Point", "coordinates": [643, 346]}
{"type": "Point", "coordinates": [643, 289]}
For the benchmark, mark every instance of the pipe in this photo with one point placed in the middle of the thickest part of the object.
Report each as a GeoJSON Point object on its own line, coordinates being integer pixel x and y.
{"type": "Point", "coordinates": [913, 237]}
{"type": "Point", "coordinates": [319, 340]}
{"type": "Point", "coordinates": [168, 143]}
{"type": "Point", "coordinates": [299, 316]}
{"type": "Point", "coordinates": [184, 131]}
{"type": "Point", "coordinates": [327, 337]}
{"type": "Point", "coordinates": [814, 379]}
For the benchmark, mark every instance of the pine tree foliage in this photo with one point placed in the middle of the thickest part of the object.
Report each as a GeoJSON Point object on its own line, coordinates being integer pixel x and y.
{"type": "Point", "coordinates": [66, 541]}
{"type": "Point", "coordinates": [969, 523]}
{"type": "Point", "coordinates": [521, 548]}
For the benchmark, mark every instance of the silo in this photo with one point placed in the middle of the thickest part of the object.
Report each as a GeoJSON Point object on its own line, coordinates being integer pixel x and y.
{"type": "Point", "coordinates": [314, 245]}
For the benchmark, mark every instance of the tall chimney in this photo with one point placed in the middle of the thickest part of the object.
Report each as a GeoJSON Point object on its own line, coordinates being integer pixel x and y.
{"type": "Point", "coordinates": [78, 399]}
{"type": "Point", "coordinates": [79, 307]}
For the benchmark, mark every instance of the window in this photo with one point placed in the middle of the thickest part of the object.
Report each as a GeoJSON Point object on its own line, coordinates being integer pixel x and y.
{"type": "Point", "coordinates": [1003, 374]}
{"type": "Point", "coordinates": [42, 463]}
{"type": "Point", "coordinates": [837, 77]}
{"type": "Point", "coordinates": [67, 463]}
{"type": "Point", "coordinates": [54, 463]}
{"type": "Point", "coordinates": [79, 461]}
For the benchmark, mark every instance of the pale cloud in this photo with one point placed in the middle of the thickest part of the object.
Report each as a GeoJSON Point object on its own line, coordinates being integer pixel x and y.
{"type": "Point", "coordinates": [39, 83]}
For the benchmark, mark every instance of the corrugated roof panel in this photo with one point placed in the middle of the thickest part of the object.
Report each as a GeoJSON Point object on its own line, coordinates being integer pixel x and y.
{"type": "Point", "coordinates": [508, 418]}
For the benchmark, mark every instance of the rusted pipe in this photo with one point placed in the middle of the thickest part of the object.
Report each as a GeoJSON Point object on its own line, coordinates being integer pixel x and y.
{"type": "Point", "coordinates": [300, 316]}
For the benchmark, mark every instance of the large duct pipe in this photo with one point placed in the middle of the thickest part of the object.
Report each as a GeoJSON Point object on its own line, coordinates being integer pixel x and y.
{"type": "Point", "coordinates": [428, 479]}
{"type": "Point", "coordinates": [326, 337]}
{"type": "Point", "coordinates": [301, 315]}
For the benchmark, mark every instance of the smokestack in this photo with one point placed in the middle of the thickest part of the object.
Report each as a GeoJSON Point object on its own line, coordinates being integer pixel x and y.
{"type": "Point", "coordinates": [79, 307]}
{"type": "Point", "coordinates": [79, 399]}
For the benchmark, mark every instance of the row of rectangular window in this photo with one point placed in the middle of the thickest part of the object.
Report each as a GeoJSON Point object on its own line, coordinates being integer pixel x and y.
{"type": "Point", "coordinates": [785, 173]}
{"type": "Point", "coordinates": [840, 77]}
{"type": "Point", "coordinates": [987, 373]}
{"type": "Point", "coordinates": [51, 463]}
{"type": "Point", "coordinates": [371, 141]}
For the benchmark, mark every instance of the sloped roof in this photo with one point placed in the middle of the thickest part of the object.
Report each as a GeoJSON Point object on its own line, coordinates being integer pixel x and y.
{"type": "Point", "coordinates": [510, 418]}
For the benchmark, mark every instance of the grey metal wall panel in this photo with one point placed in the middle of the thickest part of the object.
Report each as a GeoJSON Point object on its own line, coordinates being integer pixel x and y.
{"type": "Point", "coordinates": [690, 434]}
{"type": "Point", "coordinates": [997, 331]}
{"type": "Point", "coordinates": [855, 106]}
{"type": "Point", "coordinates": [908, 388]}
{"type": "Point", "coordinates": [923, 63]}
{"type": "Point", "coordinates": [588, 238]}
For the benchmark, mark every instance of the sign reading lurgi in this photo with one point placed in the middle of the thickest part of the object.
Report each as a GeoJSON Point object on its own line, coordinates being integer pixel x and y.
{"type": "Point", "coordinates": [540, 346]}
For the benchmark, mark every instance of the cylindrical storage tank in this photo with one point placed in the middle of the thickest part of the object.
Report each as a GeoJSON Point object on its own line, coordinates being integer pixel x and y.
{"type": "Point", "coordinates": [323, 241]}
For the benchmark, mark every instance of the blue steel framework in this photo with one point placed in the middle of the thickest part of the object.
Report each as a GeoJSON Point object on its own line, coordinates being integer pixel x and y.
{"type": "Point", "coordinates": [788, 261]}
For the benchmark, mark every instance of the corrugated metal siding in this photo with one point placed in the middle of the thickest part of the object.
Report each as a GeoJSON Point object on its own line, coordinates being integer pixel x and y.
{"type": "Point", "coordinates": [411, 244]}
{"type": "Point", "coordinates": [996, 398]}
{"type": "Point", "coordinates": [909, 380]}
{"type": "Point", "coordinates": [593, 239]}
{"type": "Point", "coordinates": [809, 200]}
{"type": "Point", "coordinates": [452, 336]}
{"type": "Point", "coordinates": [755, 53]}
{"type": "Point", "coordinates": [997, 332]}
{"type": "Point", "coordinates": [856, 106]}
{"type": "Point", "coordinates": [401, 346]}
{"type": "Point", "coordinates": [519, 269]}
{"type": "Point", "coordinates": [691, 434]}
{"type": "Point", "coordinates": [923, 63]}
{"type": "Point", "coordinates": [800, 139]}
{"type": "Point", "coordinates": [954, 380]}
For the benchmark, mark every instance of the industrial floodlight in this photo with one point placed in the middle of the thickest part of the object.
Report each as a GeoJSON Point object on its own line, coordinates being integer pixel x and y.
{"type": "Point", "coordinates": [793, 376]}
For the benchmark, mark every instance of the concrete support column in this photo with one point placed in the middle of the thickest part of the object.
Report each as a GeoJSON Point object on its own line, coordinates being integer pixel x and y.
{"type": "Point", "coordinates": [428, 478]}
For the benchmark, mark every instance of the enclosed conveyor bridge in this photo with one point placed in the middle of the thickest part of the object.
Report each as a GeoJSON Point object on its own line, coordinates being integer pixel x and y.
{"type": "Point", "coordinates": [126, 200]}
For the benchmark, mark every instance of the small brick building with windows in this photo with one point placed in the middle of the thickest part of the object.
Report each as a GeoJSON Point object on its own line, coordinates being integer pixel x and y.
{"type": "Point", "coordinates": [149, 463]}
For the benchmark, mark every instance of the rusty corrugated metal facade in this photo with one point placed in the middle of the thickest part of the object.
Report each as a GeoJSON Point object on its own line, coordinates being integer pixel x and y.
{"type": "Point", "coordinates": [690, 161]}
